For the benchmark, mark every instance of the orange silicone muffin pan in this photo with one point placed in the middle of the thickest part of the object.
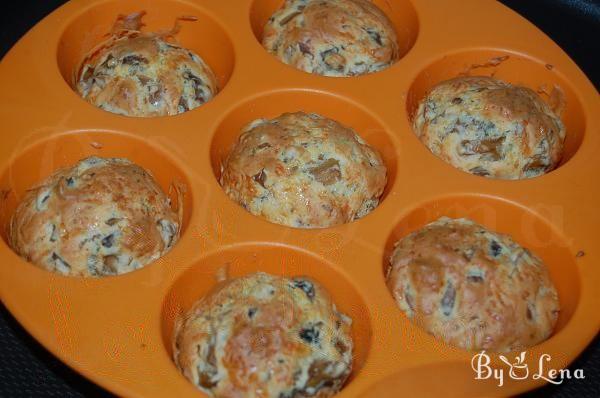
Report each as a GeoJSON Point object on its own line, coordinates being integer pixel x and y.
{"type": "Point", "coordinates": [117, 330]}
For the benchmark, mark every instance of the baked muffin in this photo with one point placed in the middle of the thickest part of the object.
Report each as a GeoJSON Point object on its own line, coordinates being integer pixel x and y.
{"type": "Point", "coordinates": [100, 217]}
{"type": "Point", "coordinates": [473, 288]}
{"type": "Point", "coordinates": [265, 336]}
{"type": "Point", "coordinates": [332, 37]}
{"type": "Point", "coordinates": [303, 170]}
{"type": "Point", "coordinates": [143, 74]}
{"type": "Point", "coordinates": [490, 128]}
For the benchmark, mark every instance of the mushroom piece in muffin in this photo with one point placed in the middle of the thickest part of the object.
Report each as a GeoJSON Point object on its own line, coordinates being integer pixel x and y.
{"type": "Point", "coordinates": [473, 288]}
{"type": "Point", "coordinates": [135, 73]}
{"type": "Point", "coordinates": [102, 216]}
{"type": "Point", "coordinates": [332, 37]}
{"type": "Point", "coordinates": [487, 127]}
{"type": "Point", "coordinates": [303, 170]}
{"type": "Point", "coordinates": [265, 336]}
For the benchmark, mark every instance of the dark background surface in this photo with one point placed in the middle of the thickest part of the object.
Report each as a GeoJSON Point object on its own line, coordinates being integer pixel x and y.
{"type": "Point", "coordinates": [28, 370]}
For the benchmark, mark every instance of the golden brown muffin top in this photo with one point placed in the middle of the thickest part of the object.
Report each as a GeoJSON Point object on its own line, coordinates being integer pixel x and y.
{"type": "Point", "coordinates": [473, 288]}
{"type": "Point", "coordinates": [102, 216]}
{"type": "Point", "coordinates": [304, 170]}
{"type": "Point", "coordinates": [265, 336]}
{"type": "Point", "coordinates": [333, 37]}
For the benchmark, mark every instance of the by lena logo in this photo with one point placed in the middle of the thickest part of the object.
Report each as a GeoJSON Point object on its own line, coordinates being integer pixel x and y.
{"type": "Point", "coordinates": [519, 370]}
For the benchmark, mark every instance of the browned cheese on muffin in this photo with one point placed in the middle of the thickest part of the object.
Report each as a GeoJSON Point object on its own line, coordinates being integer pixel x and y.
{"type": "Point", "coordinates": [102, 216]}
{"type": "Point", "coordinates": [141, 74]}
{"type": "Point", "coordinates": [490, 128]}
{"type": "Point", "coordinates": [473, 288]}
{"type": "Point", "coordinates": [332, 37]}
{"type": "Point", "coordinates": [265, 336]}
{"type": "Point", "coordinates": [303, 170]}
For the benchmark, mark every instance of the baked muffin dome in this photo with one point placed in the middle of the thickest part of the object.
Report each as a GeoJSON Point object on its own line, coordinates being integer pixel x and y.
{"type": "Point", "coordinates": [303, 170]}
{"type": "Point", "coordinates": [490, 128]}
{"type": "Point", "coordinates": [332, 37]}
{"type": "Point", "coordinates": [142, 74]}
{"type": "Point", "coordinates": [265, 336]}
{"type": "Point", "coordinates": [473, 288]}
{"type": "Point", "coordinates": [100, 217]}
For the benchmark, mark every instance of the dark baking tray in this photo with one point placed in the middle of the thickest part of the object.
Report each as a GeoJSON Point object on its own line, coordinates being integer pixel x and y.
{"type": "Point", "coordinates": [28, 370]}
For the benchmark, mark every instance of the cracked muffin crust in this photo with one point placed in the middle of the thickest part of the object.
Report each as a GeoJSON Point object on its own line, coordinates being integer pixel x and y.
{"type": "Point", "coordinates": [473, 288]}
{"type": "Point", "coordinates": [332, 37]}
{"type": "Point", "coordinates": [143, 74]}
{"type": "Point", "coordinates": [487, 127]}
{"type": "Point", "coordinates": [102, 216]}
{"type": "Point", "coordinates": [303, 170]}
{"type": "Point", "coordinates": [265, 336]}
